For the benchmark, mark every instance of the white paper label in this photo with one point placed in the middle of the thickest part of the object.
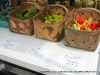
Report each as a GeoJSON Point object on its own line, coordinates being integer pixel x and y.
{"type": "Point", "coordinates": [39, 52]}
{"type": "Point", "coordinates": [72, 61]}
{"type": "Point", "coordinates": [9, 44]}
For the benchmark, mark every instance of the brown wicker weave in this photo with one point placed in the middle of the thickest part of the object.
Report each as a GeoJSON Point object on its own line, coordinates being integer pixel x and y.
{"type": "Point", "coordinates": [38, 1]}
{"type": "Point", "coordinates": [53, 32]}
{"type": "Point", "coordinates": [87, 40]}
{"type": "Point", "coordinates": [42, 5]}
{"type": "Point", "coordinates": [22, 26]}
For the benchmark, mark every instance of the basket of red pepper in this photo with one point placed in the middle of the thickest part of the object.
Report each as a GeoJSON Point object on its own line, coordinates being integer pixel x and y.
{"type": "Point", "coordinates": [83, 30]}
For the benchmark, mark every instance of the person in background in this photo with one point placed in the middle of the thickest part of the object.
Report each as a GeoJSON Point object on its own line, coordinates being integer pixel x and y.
{"type": "Point", "coordinates": [72, 2]}
{"type": "Point", "coordinates": [4, 4]}
{"type": "Point", "coordinates": [15, 3]}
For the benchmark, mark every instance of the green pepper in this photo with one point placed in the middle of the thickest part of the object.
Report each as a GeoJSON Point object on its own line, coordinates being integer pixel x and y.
{"type": "Point", "coordinates": [21, 14]}
{"type": "Point", "coordinates": [25, 14]}
{"type": "Point", "coordinates": [31, 13]}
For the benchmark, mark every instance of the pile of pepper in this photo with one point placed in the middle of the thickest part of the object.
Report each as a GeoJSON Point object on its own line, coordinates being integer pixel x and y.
{"type": "Point", "coordinates": [88, 25]}
{"type": "Point", "coordinates": [26, 14]}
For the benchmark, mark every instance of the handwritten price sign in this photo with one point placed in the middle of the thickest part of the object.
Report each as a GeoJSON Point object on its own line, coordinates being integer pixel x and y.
{"type": "Point", "coordinates": [9, 44]}
{"type": "Point", "coordinates": [38, 52]}
{"type": "Point", "coordinates": [72, 61]}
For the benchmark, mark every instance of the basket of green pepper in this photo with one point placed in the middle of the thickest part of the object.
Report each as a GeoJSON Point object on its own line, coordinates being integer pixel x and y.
{"type": "Point", "coordinates": [21, 18]}
{"type": "Point", "coordinates": [83, 30]}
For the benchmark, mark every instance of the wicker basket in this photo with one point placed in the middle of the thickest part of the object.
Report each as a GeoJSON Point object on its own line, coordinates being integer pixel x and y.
{"type": "Point", "coordinates": [22, 26]}
{"type": "Point", "coordinates": [54, 31]}
{"type": "Point", "coordinates": [87, 40]}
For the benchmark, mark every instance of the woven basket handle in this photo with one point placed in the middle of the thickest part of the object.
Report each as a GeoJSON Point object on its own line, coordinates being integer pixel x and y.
{"type": "Point", "coordinates": [59, 6]}
{"type": "Point", "coordinates": [71, 13]}
{"type": "Point", "coordinates": [85, 9]}
{"type": "Point", "coordinates": [26, 3]}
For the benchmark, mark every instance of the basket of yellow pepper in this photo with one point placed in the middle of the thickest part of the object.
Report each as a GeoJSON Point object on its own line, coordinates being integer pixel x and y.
{"type": "Point", "coordinates": [83, 30]}
{"type": "Point", "coordinates": [49, 24]}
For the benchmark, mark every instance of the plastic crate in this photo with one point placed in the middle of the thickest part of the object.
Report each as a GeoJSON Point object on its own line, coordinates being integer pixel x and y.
{"type": "Point", "coordinates": [4, 20]}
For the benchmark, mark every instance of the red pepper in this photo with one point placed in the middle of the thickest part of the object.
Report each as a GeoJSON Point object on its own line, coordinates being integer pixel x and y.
{"type": "Point", "coordinates": [89, 26]}
{"type": "Point", "coordinates": [94, 25]}
{"type": "Point", "coordinates": [80, 20]}
{"type": "Point", "coordinates": [98, 25]}
{"type": "Point", "coordinates": [82, 28]}
{"type": "Point", "coordinates": [96, 28]}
